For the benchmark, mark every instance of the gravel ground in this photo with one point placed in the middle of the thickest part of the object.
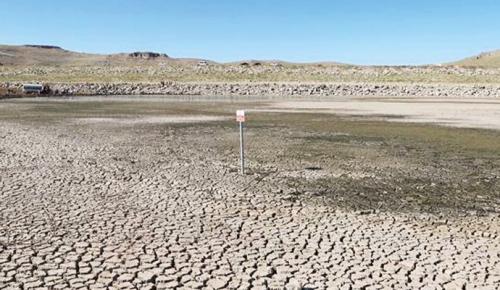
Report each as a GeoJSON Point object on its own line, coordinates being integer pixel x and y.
{"type": "Point", "coordinates": [147, 205]}
{"type": "Point", "coordinates": [280, 90]}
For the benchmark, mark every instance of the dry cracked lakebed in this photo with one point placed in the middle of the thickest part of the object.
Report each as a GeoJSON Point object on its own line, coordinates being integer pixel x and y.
{"type": "Point", "coordinates": [151, 198]}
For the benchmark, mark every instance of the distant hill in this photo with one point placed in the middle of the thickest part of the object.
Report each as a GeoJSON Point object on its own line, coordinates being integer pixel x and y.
{"type": "Point", "coordinates": [40, 54]}
{"type": "Point", "coordinates": [50, 55]}
{"type": "Point", "coordinates": [54, 55]}
{"type": "Point", "coordinates": [485, 60]}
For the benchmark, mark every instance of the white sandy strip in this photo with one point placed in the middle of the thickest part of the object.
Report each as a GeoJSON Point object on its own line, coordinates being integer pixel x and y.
{"type": "Point", "coordinates": [152, 120]}
{"type": "Point", "coordinates": [464, 113]}
{"type": "Point", "coordinates": [6, 54]}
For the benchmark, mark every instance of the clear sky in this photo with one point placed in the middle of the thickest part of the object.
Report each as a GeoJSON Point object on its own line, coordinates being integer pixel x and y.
{"type": "Point", "coordinates": [351, 31]}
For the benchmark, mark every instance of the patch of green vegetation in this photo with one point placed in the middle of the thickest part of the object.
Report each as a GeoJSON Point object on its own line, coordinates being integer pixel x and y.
{"type": "Point", "coordinates": [388, 165]}
{"type": "Point", "coordinates": [452, 140]}
{"type": "Point", "coordinates": [57, 110]}
{"type": "Point", "coordinates": [342, 138]}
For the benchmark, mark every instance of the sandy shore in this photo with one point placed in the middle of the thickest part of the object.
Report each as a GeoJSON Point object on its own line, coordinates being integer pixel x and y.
{"type": "Point", "coordinates": [465, 113]}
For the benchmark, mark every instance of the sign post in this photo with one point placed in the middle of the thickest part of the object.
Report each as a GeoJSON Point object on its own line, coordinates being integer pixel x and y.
{"type": "Point", "coordinates": [240, 118]}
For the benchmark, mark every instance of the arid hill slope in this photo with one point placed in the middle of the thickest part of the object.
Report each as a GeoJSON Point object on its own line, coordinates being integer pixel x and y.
{"type": "Point", "coordinates": [50, 64]}
{"type": "Point", "coordinates": [48, 55]}
{"type": "Point", "coordinates": [483, 60]}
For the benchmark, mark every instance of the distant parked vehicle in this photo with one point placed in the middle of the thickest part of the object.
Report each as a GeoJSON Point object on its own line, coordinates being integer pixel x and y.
{"type": "Point", "coordinates": [32, 89]}
{"type": "Point", "coordinates": [202, 63]}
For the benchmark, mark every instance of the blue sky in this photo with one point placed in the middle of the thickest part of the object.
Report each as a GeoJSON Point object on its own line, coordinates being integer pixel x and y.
{"type": "Point", "coordinates": [351, 31]}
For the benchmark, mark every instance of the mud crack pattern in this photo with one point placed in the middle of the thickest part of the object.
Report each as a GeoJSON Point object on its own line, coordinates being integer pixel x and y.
{"type": "Point", "coordinates": [159, 207]}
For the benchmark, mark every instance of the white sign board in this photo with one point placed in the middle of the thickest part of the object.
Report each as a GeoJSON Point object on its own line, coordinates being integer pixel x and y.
{"type": "Point", "coordinates": [240, 116]}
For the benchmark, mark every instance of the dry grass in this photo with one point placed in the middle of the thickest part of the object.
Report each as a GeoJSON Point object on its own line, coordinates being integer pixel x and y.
{"type": "Point", "coordinates": [6, 93]}
{"type": "Point", "coordinates": [26, 64]}
{"type": "Point", "coordinates": [236, 73]}
{"type": "Point", "coordinates": [484, 60]}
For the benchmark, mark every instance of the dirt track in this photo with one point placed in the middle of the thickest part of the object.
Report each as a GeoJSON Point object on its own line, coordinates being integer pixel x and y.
{"type": "Point", "coordinates": [161, 205]}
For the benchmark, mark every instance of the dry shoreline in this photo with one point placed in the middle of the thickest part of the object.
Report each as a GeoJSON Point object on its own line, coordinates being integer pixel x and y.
{"type": "Point", "coordinates": [106, 194]}
{"type": "Point", "coordinates": [272, 89]}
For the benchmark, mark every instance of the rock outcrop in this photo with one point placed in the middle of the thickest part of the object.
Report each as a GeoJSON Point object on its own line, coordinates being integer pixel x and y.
{"type": "Point", "coordinates": [147, 55]}
{"type": "Point", "coordinates": [43, 46]}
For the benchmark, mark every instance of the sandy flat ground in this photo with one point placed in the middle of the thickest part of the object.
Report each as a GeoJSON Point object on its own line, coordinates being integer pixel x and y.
{"type": "Point", "coordinates": [465, 113]}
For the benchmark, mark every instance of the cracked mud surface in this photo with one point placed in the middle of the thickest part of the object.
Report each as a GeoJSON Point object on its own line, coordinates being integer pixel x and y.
{"type": "Point", "coordinates": [161, 206]}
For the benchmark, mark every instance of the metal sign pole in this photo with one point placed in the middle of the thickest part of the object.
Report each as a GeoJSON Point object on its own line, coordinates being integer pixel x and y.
{"type": "Point", "coordinates": [242, 149]}
{"type": "Point", "coordinates": [240, 118]}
